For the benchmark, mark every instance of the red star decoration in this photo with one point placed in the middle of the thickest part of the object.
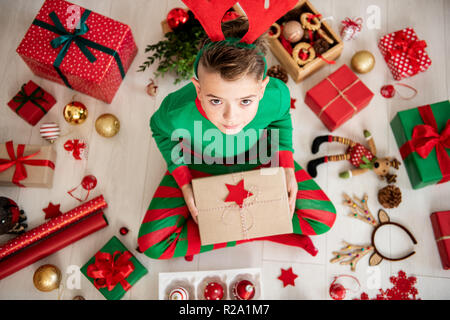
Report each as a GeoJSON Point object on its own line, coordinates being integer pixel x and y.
{"type": "Point", "coordinates": [52, 211]}
{"type": "Point", "coordinates": [288, 277]}
{"type": "Point", "coordinates": [293, 103]}
{"type": "Point", "coordinates": [237, 193]}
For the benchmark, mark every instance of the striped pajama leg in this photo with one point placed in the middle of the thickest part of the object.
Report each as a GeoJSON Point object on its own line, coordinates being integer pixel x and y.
{"type": "Point", "coordinates": [168, 231]}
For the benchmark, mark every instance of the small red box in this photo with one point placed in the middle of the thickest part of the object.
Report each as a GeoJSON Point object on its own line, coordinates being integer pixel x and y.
{"type": "Point", "coordinates": [80, 49]}
{"type": "Point", "coordinates": [32, 103]}
{"type": "Point", "coordinates": [441, 228]}
{"type": "Point", "coordinates": [338, 98]}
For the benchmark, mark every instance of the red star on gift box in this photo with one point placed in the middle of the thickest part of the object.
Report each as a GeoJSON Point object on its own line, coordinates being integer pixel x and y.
{"type": "Point", "coordinates": [288, 277]}
{"type": "Point", "coordinates": [237, 193]}
{"type": "Point", "coordinates": [52, 211]}
{"type": "Point", "coordinates": [293, 103]}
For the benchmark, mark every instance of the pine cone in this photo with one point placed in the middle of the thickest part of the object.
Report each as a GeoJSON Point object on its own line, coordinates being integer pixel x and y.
{"type": "Point", "coordinates": [390, 196]}
{"type": "Point", "coordinates": [278, 72]}
{"type": "Point", "coordinates": [321, 46]}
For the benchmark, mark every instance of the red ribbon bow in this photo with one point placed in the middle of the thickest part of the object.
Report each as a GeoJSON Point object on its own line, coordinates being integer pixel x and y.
{"type": "Point", "coordinates": [76, 146]}
{"type": "Point", "coordinates": [425, 138]}
{"type": "Point", "coordinates": [409, 47]}
{"type": "Point", "coordinates": [349, 23]}
{"type": "Point", "coordinates": [20, 161]}
{"type": "Point", "coordinates": [108, 271]}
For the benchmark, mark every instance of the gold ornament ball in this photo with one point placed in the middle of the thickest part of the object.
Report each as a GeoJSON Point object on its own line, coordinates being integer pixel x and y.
{"type": "Point", "coordinates": [75, 112]}
{"type": "Point", "coordinates": [363, 61]}
{"type": "Point", "coordinates": [107, 125]}
{"type": "Point", "coordinates": [47, 278]}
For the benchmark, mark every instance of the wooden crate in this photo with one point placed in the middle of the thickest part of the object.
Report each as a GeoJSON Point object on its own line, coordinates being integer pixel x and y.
{"type": "Point", "coordinates": [299, 73]}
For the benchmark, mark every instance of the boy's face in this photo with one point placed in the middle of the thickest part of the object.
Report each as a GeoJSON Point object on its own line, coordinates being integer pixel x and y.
{"type": "Point", "coordinates": [229, 105]}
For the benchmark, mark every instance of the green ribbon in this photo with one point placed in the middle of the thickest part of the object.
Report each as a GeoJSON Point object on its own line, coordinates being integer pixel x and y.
{"type": "Point", "coordinates": [35, 97]}
{"type": "Point", "coordinates": [66, 39]}
{"type": "Point", "coordinates": [235, 42]}
{"type": "Point", "coordinates": [368, 164]}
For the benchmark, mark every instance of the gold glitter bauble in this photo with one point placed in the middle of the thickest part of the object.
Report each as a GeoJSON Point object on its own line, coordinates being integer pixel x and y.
{"type": "Point", "coordinates": [107, 125]}
{"type": "Point", "coordinates": [47, 278]}
{"type": "Point", "coordinates": [363, 61]}
{"type": "Point", "coordinates": [75, 112]}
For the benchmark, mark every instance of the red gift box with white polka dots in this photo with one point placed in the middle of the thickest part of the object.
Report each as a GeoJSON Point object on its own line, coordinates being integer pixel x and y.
{"type": "Point", "coordinates": [79, 49]}
{"type": "Point", "coordinates": [404, 53]}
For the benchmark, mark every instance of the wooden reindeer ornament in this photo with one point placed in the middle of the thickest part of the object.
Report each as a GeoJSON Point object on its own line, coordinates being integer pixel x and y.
{"type": "Point", "coordinates": [351, 254]}
{"type": "Point", "coordinates": [364, 159]}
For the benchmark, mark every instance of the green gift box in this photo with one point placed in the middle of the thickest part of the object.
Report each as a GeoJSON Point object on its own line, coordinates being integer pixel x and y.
{"type": "Point", "coordinates": [423, 137]}
{"type": "Point", "coordinates": [113, 270]}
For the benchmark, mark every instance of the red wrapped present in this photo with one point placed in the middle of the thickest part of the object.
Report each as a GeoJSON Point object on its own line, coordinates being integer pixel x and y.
{"type": "Point", "coordinates": [32, 102]}
{"type": "Point", "coordinates": [338, 98]}
{"type": "Point", "coordinates": [404, 53]}
{"type": "Point", "coordinates": [80, 49]}
{"type": "Point", "coordinates": [441, 228]}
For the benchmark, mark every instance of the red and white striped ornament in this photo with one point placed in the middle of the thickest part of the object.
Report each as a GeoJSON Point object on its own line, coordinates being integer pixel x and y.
{"type": "Point", "coordinates": [179, 294]}
{"type": "Point", "coordinates": [50, 131]}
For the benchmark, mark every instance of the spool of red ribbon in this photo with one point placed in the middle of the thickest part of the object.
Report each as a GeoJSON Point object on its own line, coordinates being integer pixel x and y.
{"type": "Point", "coordinates": [388, 91]}
{"type": "Point", "coordinates": [88, 183]}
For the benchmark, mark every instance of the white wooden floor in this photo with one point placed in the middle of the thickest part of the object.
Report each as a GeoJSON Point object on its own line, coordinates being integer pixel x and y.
{"type": "Point", "coordinates": [129, 167]}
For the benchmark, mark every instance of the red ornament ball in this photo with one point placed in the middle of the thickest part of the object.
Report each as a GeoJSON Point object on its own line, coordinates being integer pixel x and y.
{"type": "Point", "coordinates": [177, 17]}
{"type": "Point", "coordinates": [89, 182]}
{"type": "Point", "coordinates": [244, 290]}
{"type": "Point", "coordinates": [337, 291]}
{"type": "Point", "coordinates": [123, 231]}
{"type": "Point", "coordinates": [213, 291]}
{"type": "Point", "coordinates": [387, 91]}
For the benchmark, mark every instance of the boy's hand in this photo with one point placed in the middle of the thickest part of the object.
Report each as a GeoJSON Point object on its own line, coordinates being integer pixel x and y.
{"type": "Point", "coordinates": [188, 195]}
{"type": "Point", "coordinates": [292, 188]}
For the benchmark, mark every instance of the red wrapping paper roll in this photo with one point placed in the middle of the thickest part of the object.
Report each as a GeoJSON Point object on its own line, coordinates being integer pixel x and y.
{"type": "Point", "coordinates": [52, 226]}
{"type": "Point", "coordinates": [47, 246]}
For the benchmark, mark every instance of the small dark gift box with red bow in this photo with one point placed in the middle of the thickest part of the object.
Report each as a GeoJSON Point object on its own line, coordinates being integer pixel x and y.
{"type": "Point", "coordinates": [32, 103]}
{"type": "Point", "coordinates": [338, 98]}
{"type": "Point", "coordinates": [441, 228]}
{"type": "Point", "coordinates": [113, 270]}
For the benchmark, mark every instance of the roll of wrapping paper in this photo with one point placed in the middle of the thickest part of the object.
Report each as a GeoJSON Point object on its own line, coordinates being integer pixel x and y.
{"type": "Point", "coordinates": [52, 226]}
{"type": "Point", "coordinates": [45, 247]}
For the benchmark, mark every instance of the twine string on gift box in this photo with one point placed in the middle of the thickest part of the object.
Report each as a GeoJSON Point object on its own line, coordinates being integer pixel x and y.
{"type": "Point", "coordinates": [249, 202]}
{"type": "Point", "coordinates": [340, 94]}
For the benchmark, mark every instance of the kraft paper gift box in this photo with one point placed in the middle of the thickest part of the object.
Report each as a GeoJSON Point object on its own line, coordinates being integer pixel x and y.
{"type": "Point", "coordinates": [80, 49]}
{"type": "Point", "coordinates": [242, 205]}
{"type": "Point", "coordinates": [26, 165]}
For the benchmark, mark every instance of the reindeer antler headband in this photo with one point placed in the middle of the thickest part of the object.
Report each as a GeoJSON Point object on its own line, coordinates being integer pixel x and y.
{"type": "Point", "coordinates": [210, 13]}
{"type": "Point", "coordinates": [354, 253]}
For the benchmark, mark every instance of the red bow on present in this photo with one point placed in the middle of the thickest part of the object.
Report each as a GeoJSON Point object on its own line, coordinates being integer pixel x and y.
{"type": "Point", "coordinates": [76, 146]}
{"type": "Point", "coordinates": [349, 23]}
{"type": "Point", "coordinates": [20, 161]}
{"type": "Point", "coordinates": [108, 271]}
{"type": "Point", "coordinates": [425, 138]}
{"type": "Point", "coordinates": [408, 46]}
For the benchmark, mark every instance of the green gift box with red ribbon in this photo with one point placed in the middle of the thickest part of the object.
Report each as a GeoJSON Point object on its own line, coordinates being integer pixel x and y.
{"type": "Point", "coordinates": [32, 102]}
{"type": "Point", "coordinates": [113, 270]}
{"type": "Point", "coordinates": [423, 137]}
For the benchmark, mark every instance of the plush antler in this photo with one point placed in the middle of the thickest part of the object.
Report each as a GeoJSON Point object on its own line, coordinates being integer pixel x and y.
{"type": "Point", "coordinates": [360, 209]}
{"type": "Point", "coordinates": [260, 19]}
{"type": "Point", "coordinates": [210, 14]}
{"type": "Point", "coordinates": [352, 252]}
